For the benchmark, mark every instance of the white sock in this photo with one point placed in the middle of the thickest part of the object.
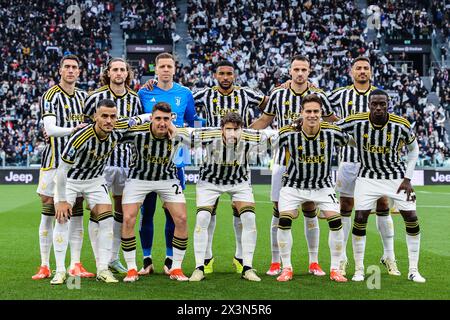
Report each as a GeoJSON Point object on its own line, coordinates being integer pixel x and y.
{"type": "Point", "coordinates": [117, 236]}
{"type": "Point", "coordinates": [284, 238]}
{"type": "Point", "coordinates": [273, 240]}
{"type": "Point", "coordinates": [312, 233]}
{"type": "Point", "coordinates": [346, 229]}
{"type": "Point", "coordinates": [105, 239]}
{"type": "Point", "coordinates": [130, 259]}
{"type": "Point", "coordinates": [211, 228]}
{"type": "Point", "coordinates": [248, 237]}
{"type": "Point", "coordinates": [359, 247]}
{"type": "Point", "coordinates": [46, 238]}
{"type": "Point", "coordinates": [201, 236]}
{"type": "Point", "coordinates": [93, 237]}
{"type": "Point", "coordinates": [178, 256]}
{"type": "Point", "coordinates": [385, 227]}
{"type": "Point", "coordinates": [60, 243]}
{"type": "Point", "coordinates": [413, 243]}
{"type": "Point", "coordinates": [76, 232]}
{"type": "Point", "coordinates": [335, 240]}
{"type": "Point", "coordinates": [237, 224]}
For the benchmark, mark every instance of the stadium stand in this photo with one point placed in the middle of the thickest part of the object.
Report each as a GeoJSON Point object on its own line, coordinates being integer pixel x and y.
{"type": "Point", "coordinates": [31, 47]}
{"type": "Point", "coordinates": [259, 37]}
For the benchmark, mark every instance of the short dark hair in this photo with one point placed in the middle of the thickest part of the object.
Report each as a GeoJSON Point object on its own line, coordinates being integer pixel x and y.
{"type": "Point", "coordinates": [232, 117]}
{"type": "Point", "coordinates": [378, 92]}
{"type": "Point", "coordinates": [164, 55]}
{"type": "Point", "coordinates": [300, 57]}
{"type": "Point", "coordinates": [311, 98]}
{"type": "Point", "coordinates": [224, 63]}
{"type": "Point", "coordinates": [70, 57]}
{"type": "Point", "coordinates": [162, 106]}
{"type": "Point", "coordinates": [106, 103]}
{"type": "Point", "coordinates": [361, 58]}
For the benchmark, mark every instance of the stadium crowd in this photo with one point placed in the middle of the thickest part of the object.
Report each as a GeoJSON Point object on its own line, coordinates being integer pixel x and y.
{"type": "Point", "coordinates": [144, 15]}
{"type": "Point", "coordinates": [259, 37]}
{"type": "Point", "coordinates": [31, 47]}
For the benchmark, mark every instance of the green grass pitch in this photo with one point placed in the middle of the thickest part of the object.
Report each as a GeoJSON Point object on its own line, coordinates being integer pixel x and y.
{"type": "Point", "coordinates": [19, 222]}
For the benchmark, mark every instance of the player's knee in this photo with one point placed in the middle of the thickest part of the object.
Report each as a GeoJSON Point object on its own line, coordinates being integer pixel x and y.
{"type": "Point", "coordinates": [45, 200]}
{"type": "Point", "coordinates": [180, 220]}
{"type": "Point", "coordinates": [411, 223]}
{"type": "Point", "coordinates": [383, 205]}
{"type": "Point", "coordinates": [285, 223]}
{"type": "Point", "coordinates": [335, 223]}
{"type": "Point", "coordinates": [361, 216]}
{"type": "Point", "coordinates": [346, 204]}
{"type": "Point", "coordinates": [309, 213]}
{"type": "Point", "coordinates": [203, 217]}
{"type": "Point", "coordinates": [360, 223]}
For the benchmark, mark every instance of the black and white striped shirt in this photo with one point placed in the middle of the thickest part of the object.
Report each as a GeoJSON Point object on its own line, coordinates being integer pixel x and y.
{"type": "Point", "coordinates": [309, 157]}
{"type": "Point", "coordinates": [88, 154]}
{"type": "Point", "coordinates": [286, 106]}
{"type": "Point", "coordinates": [154, 156]}
{"type": "Point", "coordinates": [68, 111]}
{"type": "Point", "coordinates": [217, 105]}
{"type": "Point", "coordinates": [379, 146]}
{"type": "Point", "coordinates": [128, 105]}
{"type": "Point", "coordinates": [228, 164]}
{"type": "Point", "coordinates": [347, 101]}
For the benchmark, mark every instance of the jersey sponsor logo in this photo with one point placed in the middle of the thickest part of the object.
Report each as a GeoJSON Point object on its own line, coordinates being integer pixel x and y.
{"type": "Point", "coordinates": [218, 111]}
{"type": "Point", "coordinates": [152, 100]}
{"type": "Point", "coordinates": [292, 115]}
{"type": "Point", "coordinates": [312, 159]}
{"type": "Point", "coordinates": [75, 117]}
{"type": "Point", "coordinates": [372, 148]}
{"type": "Point", "coordinates": [158, 160]}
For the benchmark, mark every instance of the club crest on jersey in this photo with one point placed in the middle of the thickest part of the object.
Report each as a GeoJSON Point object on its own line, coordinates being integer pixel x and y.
{"type": "Point", "coordinates": [389, 136]}
{"type": "Point", "coordinates": [322, 144]}
{"type": "Point", "coordinates": [178, 101]}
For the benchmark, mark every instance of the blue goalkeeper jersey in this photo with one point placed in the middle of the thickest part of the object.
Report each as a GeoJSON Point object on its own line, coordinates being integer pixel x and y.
{"type": "Point", "coordinates": [182, 103]}
{"type": "Point", "coordinates": [180, 99]}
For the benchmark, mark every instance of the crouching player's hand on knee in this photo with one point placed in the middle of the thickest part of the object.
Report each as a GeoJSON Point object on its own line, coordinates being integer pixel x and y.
{"type": "Point", "coordinates": [63, 210]}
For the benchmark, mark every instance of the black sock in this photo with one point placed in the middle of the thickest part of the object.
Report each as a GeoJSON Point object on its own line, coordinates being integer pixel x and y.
{"type": "Point", "coordinates": [207, 261]}
{"type": "Point", "coordinates": [239, 260]}
{"type": "Point", "coordinates": [202, 268]}
{"type": "Point", "coordinates": [147, 261]}
{"type": "Point", "coordinates": [168, 263]}
{"type": "Point", "coordinates": [246, 268]}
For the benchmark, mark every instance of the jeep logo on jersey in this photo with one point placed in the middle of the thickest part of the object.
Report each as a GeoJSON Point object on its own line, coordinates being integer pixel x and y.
{"type": "Point", "coordinates": [178, 101]}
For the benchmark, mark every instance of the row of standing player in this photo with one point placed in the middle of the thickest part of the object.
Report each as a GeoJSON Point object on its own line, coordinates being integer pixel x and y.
{"type": "Point", "coordinates": [216, 99]}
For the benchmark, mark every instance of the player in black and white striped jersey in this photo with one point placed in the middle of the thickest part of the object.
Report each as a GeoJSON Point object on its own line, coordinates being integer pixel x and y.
{"type": "Point", "coordinates": [309, 148]}
{"type": "Point", "coordinates": [379, 136]}
{"type": "Point", "coordinates": [116, 79]}
{"type": "Point", "coordinates": [226, 170]}
{"type": "Point", "coordinates": [347, 101]}
{"type": "Point", "coordinates": [218, 101]}
{"type": "Point", "coordinates": [62, 114]}
{"type": "Point", "coordinates": [284, 106]}
{"type": "Point", "coordinates": [154, 171]}
{"type": "Point", "coordinates": [81, 172]}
